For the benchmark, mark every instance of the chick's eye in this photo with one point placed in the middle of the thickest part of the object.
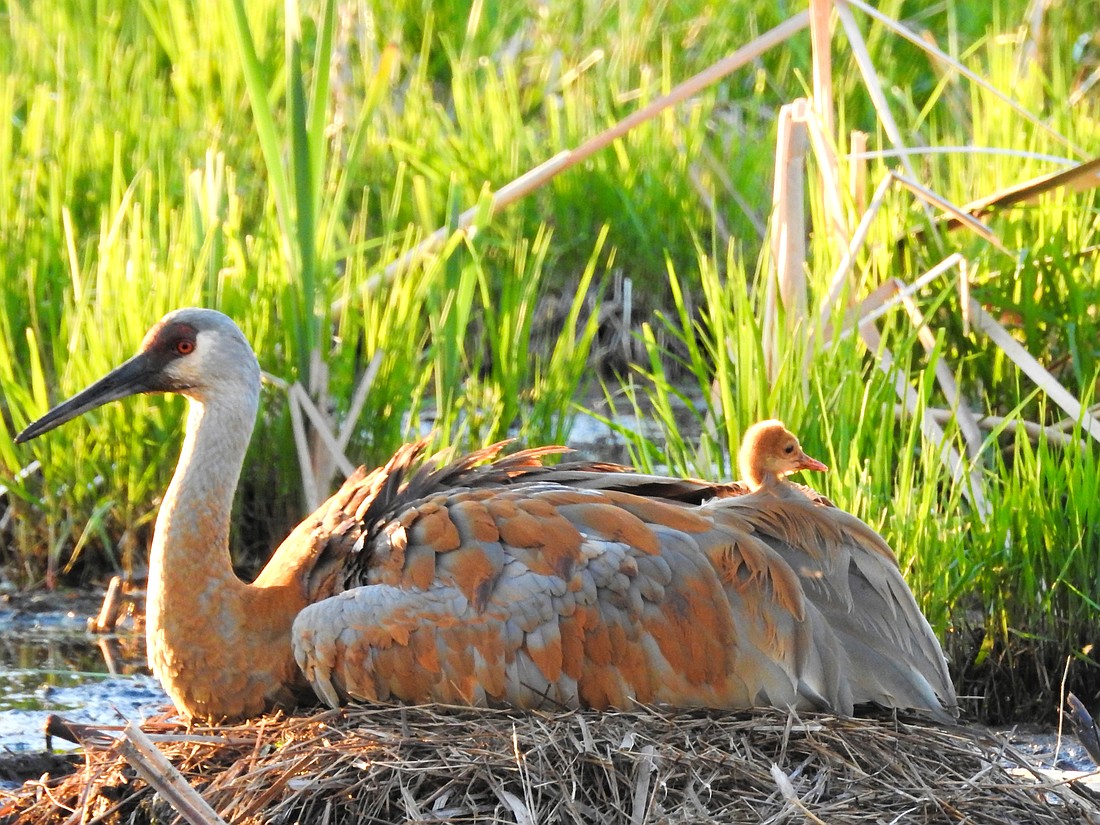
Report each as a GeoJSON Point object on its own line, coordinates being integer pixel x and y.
{"type": "Point", "coordinates": [185, 346]}
{"type": "Point", "coordinates": [789, 449]}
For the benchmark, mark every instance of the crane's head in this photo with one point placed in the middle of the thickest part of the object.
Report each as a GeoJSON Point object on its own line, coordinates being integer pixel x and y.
{"type": "Point", "coordinates": [195, 352]}
{"type": "Point", "coordinates": [770, 451]}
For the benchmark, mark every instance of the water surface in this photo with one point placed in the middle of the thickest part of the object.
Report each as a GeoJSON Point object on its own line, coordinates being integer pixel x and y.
{"type": "Point", "coordinates": [50, 663]}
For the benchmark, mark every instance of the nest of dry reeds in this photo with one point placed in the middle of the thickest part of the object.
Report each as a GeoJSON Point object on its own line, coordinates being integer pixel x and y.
{"type": "Point", "coordinates": [394, 764]}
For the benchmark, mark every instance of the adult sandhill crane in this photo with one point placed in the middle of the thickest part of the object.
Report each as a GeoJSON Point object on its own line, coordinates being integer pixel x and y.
{"type": "Point", "coordinates": [511, 582]}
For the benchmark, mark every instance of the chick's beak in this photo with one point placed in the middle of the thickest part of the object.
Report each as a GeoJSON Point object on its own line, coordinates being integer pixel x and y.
{"type": "Point", "coordinates": [807, 463]}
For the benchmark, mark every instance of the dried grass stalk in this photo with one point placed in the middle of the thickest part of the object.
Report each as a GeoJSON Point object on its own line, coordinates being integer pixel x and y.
{"type": "Point", "coordinates": [1080, 178]}
{"type": "Point", "coordinates": [859, 238]}
{"type": "Point", "coordinates": [824, 146]}
{"type": "Point", "coordinates": [1034, 431]}
{"type": "Point", "coordinates": [1033, 369]}
{"type": "Point", "coordinates": [322, 429]}
{"type": "Point", "coordinates": [549, 169]}
{"type": "Point", "coordinates": [110, 610]}
{"type": "Point", "coordinates": [310, 490]}
{"type": "Point", "coordinates": [822, 123]}
{"type": "Point", "coordinates": [921, 43]}
{"type": "Point", "coordinates": [944, 377]}
{"type": "Point", "coordinates": [788, 233]}
{"type": "Point", "coordinates": [957, 213]}
{"type": "Point", "coordinates": [821, 12]}
{"type": "Point", "coordinates": [395, 764]}
{"type": "Point", "coordinates": [931, 429]}
{"type": "Point", "coordinates": [873, 83]}
{"type": "Point", "coordinates": [137, 749]}
{"type": "Point", "coordinates": [857, 170]}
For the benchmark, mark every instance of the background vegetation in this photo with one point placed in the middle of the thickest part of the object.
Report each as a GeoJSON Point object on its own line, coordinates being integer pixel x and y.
{"type": "Point", "coordinates": [178, 152]}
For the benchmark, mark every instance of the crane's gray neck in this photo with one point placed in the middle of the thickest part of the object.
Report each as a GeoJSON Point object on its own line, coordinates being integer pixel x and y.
{"type": "Point", "coordinates": [193, 523]}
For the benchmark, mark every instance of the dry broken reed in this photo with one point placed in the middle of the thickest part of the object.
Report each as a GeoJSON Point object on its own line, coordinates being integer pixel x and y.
{"type": "Point", "coordinates": [433, 764]}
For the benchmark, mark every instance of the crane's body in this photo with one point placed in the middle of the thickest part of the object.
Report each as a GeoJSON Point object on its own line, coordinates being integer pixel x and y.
{"type": "Point", "coordinates": [501, 581]}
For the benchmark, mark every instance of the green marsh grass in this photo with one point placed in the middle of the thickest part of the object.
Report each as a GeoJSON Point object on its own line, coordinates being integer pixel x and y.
{"type": "Point", "coordinates": [168, 152]}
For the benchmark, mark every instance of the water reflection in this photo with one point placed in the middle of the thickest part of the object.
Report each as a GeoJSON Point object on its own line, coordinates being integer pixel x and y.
{"type": "Point", "coordinates": [50, 663]}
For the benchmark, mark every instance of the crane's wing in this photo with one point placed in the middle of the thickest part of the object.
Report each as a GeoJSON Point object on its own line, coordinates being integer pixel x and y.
{"type": "Point", "coordinates": [850, 575]}
{"type": "Point", "coordinates": [543, 595]}
{"type": "Point", "coordinates": [583, 585]}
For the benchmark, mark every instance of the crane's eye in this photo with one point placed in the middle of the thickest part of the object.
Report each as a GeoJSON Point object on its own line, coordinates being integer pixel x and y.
{"type": "Point", "coordinates": [789, 449]}
{"type": "Point", "coordinates": [185, 346]}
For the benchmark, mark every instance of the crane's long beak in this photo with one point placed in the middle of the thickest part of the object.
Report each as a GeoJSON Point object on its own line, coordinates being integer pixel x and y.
{"type": "Point", "coordinates": [131, 377]}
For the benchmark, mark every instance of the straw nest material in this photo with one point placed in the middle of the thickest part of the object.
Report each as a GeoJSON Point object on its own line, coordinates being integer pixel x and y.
{"type": "Point", "coordinates": [435, 764]}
